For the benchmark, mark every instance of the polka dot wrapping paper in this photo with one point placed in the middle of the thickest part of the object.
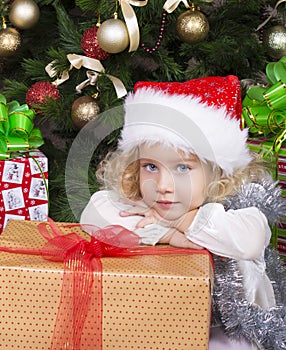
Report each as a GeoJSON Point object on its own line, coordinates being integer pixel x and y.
{"type": "Point", "coordinates": [23, 188]}
{"type": "Point", "coordinates": [148, 302]}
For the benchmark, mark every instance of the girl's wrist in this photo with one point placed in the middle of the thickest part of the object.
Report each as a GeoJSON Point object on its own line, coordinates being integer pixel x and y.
{"type": "Point", "coordinates": [181, 224]}
{"type": "Point", "coordinates": [186, 220]}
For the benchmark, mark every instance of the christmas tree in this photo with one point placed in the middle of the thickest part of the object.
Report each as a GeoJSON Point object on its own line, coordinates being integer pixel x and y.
{"type": "Point", "coordinates": [86, 53]}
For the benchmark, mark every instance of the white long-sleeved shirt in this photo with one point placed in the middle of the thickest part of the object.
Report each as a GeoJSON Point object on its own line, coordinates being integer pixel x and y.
{"type": "Point", "coordinates": [241, 234]}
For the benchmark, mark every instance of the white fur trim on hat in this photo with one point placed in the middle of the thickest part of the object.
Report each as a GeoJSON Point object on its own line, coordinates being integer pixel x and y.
{"type": "Point", "coordinates": [184, 122]}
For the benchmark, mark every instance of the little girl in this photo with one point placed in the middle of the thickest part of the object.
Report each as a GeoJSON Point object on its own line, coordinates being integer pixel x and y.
{"type": "Point", "coordinates": [183, 175]}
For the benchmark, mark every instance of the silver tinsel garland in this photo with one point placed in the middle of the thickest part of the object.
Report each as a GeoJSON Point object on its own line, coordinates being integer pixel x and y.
{"type": "Point", "coordinates": [264, 195]}
{"type": "Point", "coordinates": [238, 317]}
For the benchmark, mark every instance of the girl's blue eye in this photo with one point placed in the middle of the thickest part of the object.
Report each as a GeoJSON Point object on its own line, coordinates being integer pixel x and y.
{"type": "Point", "coordinates": [151, 167]}
{"type": "Point", "coordinates": [183, 168]}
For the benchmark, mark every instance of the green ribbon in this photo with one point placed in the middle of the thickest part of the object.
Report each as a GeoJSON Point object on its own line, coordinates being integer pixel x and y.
{"type": "Point", "coordinates": [264, 109]}
{"type": "Point", "coordinates": [17, 132]}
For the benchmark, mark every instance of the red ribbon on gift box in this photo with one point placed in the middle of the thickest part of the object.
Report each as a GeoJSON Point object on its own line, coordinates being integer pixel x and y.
{"type": "Point", "coordinates": [82, 273]}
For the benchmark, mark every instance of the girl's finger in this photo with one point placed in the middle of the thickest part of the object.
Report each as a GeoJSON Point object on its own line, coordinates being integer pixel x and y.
{"type": "Point", "coordinates": [133, 211]}
{"type": "Point", "coordinates": [145, 221]}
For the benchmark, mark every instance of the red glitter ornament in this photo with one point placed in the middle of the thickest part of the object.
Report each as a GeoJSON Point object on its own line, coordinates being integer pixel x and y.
{"type": "Point", "coordinates": [40, 91]}
{"type": "Point", "coordinates": [89, 44]}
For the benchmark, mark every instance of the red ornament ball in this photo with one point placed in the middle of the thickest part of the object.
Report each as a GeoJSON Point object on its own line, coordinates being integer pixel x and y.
{"type": "Point", "coordinates": [89, 44]}
{"type": "Point", "coordinates": [40, 92]}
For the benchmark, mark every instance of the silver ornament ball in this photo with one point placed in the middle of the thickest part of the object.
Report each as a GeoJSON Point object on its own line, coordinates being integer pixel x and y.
{"type": "Point", "coordinates": [274, 41]}
{"type": "Point", "coordinates": [24, 14]}
{"type": "Point", "coordinates": [112, 36]}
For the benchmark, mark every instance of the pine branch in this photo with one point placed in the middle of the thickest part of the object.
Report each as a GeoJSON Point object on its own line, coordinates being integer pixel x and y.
{"type": "Point", "coordinates": [15, 90]}
{"type": "Point", "coordinates": [94, 6]}
{"type": "Point", "coordinates": [4, 9]}
{"type": "Point", "coordinates": [35, 69]}
{"type": "Point", "coordinates": [69, 34]}
{"type": "Point", "coordinates": [171, 70]}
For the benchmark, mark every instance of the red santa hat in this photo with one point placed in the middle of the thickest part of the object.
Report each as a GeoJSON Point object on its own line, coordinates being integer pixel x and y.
{"type": "Point", "coordinates": [201, 116]}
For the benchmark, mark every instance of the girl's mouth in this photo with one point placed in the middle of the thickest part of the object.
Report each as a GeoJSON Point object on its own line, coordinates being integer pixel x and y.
{"type": "Point", "coordinates": [165, 204]}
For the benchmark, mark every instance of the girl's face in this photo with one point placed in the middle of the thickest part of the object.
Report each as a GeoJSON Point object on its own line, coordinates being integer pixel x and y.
{"type": "Point", "coordinates": [171, 182]}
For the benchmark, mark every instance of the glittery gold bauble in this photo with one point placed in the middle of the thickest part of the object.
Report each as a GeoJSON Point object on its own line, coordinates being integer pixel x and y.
{"type": "Point", "coordinates": [10, 41]}
{"type": "Point", "coordinates": [274, 41]}
{"type": "Point", "coordinates": [192, 26]}
{"type": "Point", "coordinates": [24, 14]}
{"type": "Point", "coordinates": [112, 36]}
{"type": "Point", "coordinates": [84, 109]}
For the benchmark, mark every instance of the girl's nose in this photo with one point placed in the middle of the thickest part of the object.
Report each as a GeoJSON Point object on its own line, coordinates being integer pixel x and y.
{"type": "Point", "coordinates": [165, 181]}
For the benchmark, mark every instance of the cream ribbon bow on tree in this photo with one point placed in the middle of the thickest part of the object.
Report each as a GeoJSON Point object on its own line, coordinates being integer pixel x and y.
{"type": "Point", "coordinates": [95, 68]}
{"type": "Point", "coordinates": [52, 72]}
{"type": "Point", "coordinates": [171, 5]}
{"type": "Point", "coordinates": [131, 21]}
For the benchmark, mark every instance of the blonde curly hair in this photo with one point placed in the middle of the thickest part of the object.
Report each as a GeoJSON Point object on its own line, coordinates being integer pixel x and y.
{"type": "Point", "coordinates": [120, 172]}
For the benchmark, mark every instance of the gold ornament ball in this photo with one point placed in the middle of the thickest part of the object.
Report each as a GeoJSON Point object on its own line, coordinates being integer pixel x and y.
{"type": "Point", "coordinates": [112, 36]}
{"type": "Point", "coordinates": [24, 14]}
{"type": "Point", "coordinates": [274, 41]}
{"type": "Point", "coordinates": [192, 26]}
{"type": "Point", "coordinates": [84, 109]}
{"type": "Point", "coordinates": [10, 41]}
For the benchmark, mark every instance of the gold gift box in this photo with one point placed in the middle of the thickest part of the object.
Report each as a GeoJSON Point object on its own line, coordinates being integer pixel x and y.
{"type": "Point", "coordinates": [149, 302]}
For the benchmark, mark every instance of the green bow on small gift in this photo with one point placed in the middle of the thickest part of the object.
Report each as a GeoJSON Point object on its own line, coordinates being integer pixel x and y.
{"type": "Point", "coordinates": [17, 132]}
{"type": "Point", "coordinates": [264, 109]}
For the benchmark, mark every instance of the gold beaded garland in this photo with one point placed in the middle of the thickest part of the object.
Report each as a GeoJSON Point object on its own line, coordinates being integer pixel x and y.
{"type": "Point", "coordinates": [192, 26]}
{"type": "Point", "coordinates": [10, 41]}
{"type": "Point", "coordinates": [84, 109]}
{"type": "Point", "coordinates": [24, 14]}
